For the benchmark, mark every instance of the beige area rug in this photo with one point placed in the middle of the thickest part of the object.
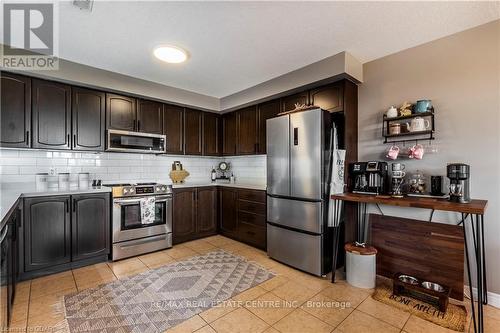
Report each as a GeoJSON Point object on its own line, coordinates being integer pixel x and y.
{"type": "Point", "coordinates": [454, 318]}
{"type": "Point", "coordinates": [158, 299]}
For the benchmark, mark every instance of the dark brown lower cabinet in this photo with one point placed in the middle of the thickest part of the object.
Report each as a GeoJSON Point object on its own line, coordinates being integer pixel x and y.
{"type": "Point", "coordinates": [194, 213]}
{"type": "Point", "coordinates": [61, 232]}
{"type": "Point", "coordinates": [47, 234]}
{"type": "Point", "coordinates": [243, 215]}
{"type": "Point", "coordinates": [89, 226]}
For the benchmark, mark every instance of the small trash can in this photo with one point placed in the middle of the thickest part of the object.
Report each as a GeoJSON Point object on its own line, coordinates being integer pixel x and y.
{"type": "Point", "coordinates": [361, 265]}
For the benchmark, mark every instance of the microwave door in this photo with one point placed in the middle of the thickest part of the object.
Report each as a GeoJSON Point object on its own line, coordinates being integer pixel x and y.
{"type": "Point", "coordinates": [278, 156]}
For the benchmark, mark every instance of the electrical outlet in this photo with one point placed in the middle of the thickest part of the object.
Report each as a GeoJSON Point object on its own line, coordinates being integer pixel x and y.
{"type": "Point", "coordinates": [52, 171]}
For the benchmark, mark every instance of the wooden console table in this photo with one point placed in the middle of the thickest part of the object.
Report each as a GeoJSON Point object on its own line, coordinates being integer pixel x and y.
{"type": "Point", "coordinates": [472, 213]}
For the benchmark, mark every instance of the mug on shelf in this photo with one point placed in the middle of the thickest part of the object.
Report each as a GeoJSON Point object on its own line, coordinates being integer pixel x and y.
{"type": "Point", "coordinates": [422, 106]}
{"type": "Point", "coordinates": [393, 152]}
{"type": "Point", "coordinates": [416, 152]}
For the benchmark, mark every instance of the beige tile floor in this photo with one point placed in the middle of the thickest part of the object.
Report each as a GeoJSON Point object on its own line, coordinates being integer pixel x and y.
{"type": "Point", "coordinates": [290, 302]}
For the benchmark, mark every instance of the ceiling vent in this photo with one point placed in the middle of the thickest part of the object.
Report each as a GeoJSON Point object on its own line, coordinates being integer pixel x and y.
{"type": "Point", "coordinates": [84, 4]}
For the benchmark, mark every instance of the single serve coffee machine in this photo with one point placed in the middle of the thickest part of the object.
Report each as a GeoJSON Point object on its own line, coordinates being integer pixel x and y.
{"type": "Point", "coordinates": [459, 175]}
{"type": "Point", "coordinates": [368, 177]}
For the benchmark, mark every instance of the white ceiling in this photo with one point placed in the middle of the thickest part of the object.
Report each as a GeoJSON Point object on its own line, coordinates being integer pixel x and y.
{"type": "Point", "coordinates": [236, 45]}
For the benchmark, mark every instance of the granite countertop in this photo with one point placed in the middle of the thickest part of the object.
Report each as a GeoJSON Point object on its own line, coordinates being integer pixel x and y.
{"type": "Point", "coordinates": [249, 186]}
{"type": "Point", "coordinates": [10, 193]}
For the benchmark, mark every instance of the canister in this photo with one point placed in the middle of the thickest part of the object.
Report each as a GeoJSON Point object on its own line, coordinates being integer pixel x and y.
{"type": "Point", "coordinates": [63, 180]}
{"type": "Point", "coordinates": [42, 181]}
{"type": "Point", "coordinates": [361, 265]}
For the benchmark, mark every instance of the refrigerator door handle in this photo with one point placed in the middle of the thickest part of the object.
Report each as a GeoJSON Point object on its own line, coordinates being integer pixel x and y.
{"type": "Point", "coordinates": [295, 136]}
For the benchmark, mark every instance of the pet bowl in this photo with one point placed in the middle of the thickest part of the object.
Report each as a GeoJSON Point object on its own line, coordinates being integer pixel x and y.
{"type": "Point", "coordinates": [433, 286]}
{"type": "Point", "coordinates": [408, 279]}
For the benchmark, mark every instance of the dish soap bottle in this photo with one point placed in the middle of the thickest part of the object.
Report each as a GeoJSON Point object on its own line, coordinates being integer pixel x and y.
{"type": "Point", "coordinates": [214, 175]}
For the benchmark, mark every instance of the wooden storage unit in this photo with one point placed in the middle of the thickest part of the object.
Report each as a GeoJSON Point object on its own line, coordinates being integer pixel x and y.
{"type": "Point", "coordinates": [121, 112]}
{"type": "Point", "coordinates": [193, 132]}
{"type": "Point", "coordinates": [173, 128]}
{"type": "Point", "coordinates": [211, 134]}
{"type": "Point", "coordinates": [51, 115]}
{"type": "Point", "coordinates": [88, 117]}
{"type": "Point", "coordinates": [329, 97]}
{"type": "Point", "coordinates": [15, 120]}
{"type": "Point", "coordinates": [61, 232]}
{"type": "Point", "coordinates": [194, 213]}
{"type": "Point", "coordinates": [266, 111]}
{"type": "Point", "coordinates": [288, 102]}
{"type": "Point", "coordinates": [247, 135]}
{"type": "Point", "coordinates": [243, 215]}
{"type": "Point", "coordinates": [149, 116]}
{"type": "Point", "coordinates": [229, 134]}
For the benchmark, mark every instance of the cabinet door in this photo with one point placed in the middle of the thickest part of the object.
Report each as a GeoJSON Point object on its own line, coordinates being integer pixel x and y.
{"type": "Point", "coordinates": [266, 111]}
{"type": "Point", "coordinates": [88, 113]}
{"type": "Point", "coordinates": [90, 225]}
{"type": "Point", "coordinates": [229, 134]}
{"type": "Point", "coordinates": [206, 211]}
{"type": "Point", "coordinates": [247, 130]}
{"type": "Point", "coordinates": [228, 203]}
{"type": "Point", "coordinates": [15, 120]}
{"type": "Point", "coordinates": [192, 132]}
{"type": "Point", "coordinates": [211, 140]}
{"type": "Point", "coordinates": [149, 117]}
{"type": "Point", "coordinates": [173, 127]}
{"type": "Point", "coordinates": [47, 236]}
{"type": "Point", "coordinates": [121, 112]}
{"type": "Point", "coordinates": [184, 215]}
{"type": "Point", "coordinates": [330, 97]}
{"type": "Point", "coordinates": [51, 115]}
{"type": "Point", "coordinates": [288, 103]}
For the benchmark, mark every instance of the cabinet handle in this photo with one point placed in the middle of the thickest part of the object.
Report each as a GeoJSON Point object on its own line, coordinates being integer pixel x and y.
{"type": "Point", "coordinates": [67, 205]}
{"type": "Point", "coordinates": [28, 138]}
{"type": "Point", "coordinates": [74, 205]}
{"type": "Point", "coordinates": [74, 140]}
{"type": "Point", "coordinates": [69, 141]}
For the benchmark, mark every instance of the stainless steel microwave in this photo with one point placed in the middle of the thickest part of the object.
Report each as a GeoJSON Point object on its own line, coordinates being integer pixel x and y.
{"type": "Point", "coordinates": [135, 142]}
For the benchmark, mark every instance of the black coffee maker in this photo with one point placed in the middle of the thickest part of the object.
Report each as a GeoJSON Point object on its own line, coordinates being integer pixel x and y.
{"type": "Point", "coordinates": [459, 175]}
{"type": "Point", "coordinates": [369, 177]}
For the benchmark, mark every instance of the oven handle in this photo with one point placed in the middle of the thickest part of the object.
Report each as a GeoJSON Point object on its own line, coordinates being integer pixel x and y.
{"type": "Point", "coordinates": [137, 200]}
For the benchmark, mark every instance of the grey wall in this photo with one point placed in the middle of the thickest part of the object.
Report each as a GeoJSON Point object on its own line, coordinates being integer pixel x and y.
{"type": "Point", "coordinates": [461, 74]}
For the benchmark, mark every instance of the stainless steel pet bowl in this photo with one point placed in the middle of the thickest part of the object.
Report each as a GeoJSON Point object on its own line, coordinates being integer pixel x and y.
{"type": "Point", "coordinates": [408, 279]}
{"type": "Point", "coordinates": [433, 286]}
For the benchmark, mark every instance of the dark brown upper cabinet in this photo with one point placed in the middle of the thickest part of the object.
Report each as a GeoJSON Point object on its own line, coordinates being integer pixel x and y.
{"type": "Point", "coordinates": [121, 112]}
{"type": "Point", "coordinates": [193, 121]}
{"type": "Point", "coordinates": [247, 130]}
{"type": "Point", "coordinates": [229, 134]}
{"type": "Point", "coordinates": [330, 97]}
{"type": "Point", "coordinates": [15, 97]}
{"type": "Point", "coordinates": [211, 137]}
{"type": "Point", "coordinates": [288, 103]}
{"type": "Point", "coordinates": [88, 113]}
{"type": "Point", "coordinates": [149, 117]}
{"type": "Point", "coordinates": [266, 111]}
{"type": "Point", "coordinates": [51, 114]}
{"type": "Point", "coordinates": [173, 128]}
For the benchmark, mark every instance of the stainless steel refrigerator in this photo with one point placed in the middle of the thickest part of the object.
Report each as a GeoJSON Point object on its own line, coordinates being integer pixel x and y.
{"type": "Point", "coordinates": [298, 154]}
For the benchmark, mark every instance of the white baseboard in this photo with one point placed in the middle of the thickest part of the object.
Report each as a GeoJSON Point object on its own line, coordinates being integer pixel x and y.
{"type": "Point", "coordinates": [493, 299]}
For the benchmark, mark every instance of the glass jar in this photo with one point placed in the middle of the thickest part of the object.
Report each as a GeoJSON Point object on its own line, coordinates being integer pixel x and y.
{"type": "Point", "coordinates": [417, 183]}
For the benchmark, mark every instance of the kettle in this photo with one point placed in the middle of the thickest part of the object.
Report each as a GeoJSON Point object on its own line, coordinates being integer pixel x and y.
{"type": "Point", "coordinates": [418, 124]}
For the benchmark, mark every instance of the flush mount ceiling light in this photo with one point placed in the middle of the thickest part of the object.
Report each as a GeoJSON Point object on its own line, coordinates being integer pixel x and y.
{"type": "Point", "coordinates": [170, 54]}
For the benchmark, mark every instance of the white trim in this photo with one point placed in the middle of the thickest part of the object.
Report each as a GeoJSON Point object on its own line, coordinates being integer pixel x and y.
{"type": "Point", "coordinates": [493, 299]}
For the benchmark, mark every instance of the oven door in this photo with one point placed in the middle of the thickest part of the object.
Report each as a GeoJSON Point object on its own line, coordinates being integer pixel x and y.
{"type": "Point", "coordinates": [127, 223]}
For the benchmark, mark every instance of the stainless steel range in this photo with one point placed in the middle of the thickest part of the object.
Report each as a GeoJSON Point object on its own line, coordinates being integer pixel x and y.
{"type": "Point", "coordinates": [131, 236]}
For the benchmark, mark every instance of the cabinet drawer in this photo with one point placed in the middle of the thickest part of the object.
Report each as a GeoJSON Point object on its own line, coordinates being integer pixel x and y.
{"type": "Point", "coordinates": [259, 220]}
{"type": "Point", "coordinates": [250, 195]}
{"type": "Point", "coordinates": [252, 207]}
{"type": "Point", "coordinates": [252, 234]}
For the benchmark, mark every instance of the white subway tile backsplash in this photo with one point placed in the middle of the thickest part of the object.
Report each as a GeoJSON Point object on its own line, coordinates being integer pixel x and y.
{"type": "Point", "coordinates": [22, 165]}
